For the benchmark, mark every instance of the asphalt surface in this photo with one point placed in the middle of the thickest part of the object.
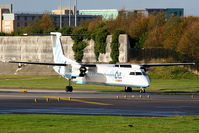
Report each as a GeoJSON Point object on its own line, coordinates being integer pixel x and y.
{"type": "Point", "coordinates": [96, 103]}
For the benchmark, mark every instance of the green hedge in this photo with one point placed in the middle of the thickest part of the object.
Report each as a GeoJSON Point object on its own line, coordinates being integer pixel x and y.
{"type": "Point", "coordinates": [79, 44]}
{"type": "Point", "coordinates": [99, 36]}
{"type": "Point", "coordinates": [115, 46]}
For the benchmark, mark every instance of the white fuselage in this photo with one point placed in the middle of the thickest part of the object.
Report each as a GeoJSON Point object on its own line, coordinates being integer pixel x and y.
{"type": "Point", "coordinates": [107, 74]}
{"type": "Point", "coordinates": [117, 75]}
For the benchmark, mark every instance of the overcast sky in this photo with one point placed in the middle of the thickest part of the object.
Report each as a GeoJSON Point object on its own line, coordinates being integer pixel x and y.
{"type": "Point", "coordinates": [38, 6]}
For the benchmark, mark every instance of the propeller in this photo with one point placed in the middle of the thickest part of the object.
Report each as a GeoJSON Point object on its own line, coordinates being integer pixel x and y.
{"type": "Point", "coordinates": [82, 70]}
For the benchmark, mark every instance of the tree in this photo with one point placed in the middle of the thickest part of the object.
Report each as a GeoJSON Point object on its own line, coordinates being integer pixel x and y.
{"type": "Point", "coordinates": [173, 31]}
{"type": "Point", "coordinates": [46, 24]}
{"type": "Point", "coordinates": [155, 29]}
{"type": "Point", "coordinates": [99, 35]}
{"type": "Point", "coordinates": [156, 21]}
{"type": "Point", "coordinates": [138, 30]}
{"type": "Point", "coordinates": [138, 26]}
{"type": "Point", "coordinates": [94, 24]}
{"type": "Point", "coordinates": [34, 27]}
{"type": "Point", "coordinates": [115, 47]}
{"type": "Point", "coordinates": [154, 39]}
{"type": "Point", "coordinates": [79, 44]}
{"type": "Point", "coordinates": [189, 43]}
{"type": "Point", "coordinates": [66, 30]}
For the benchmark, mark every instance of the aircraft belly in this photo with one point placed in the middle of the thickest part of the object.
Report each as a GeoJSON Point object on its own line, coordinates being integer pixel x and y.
{"type": "Point", "coordinates": [101, 79]}
{"type": "Point", "coordinates": [91, 80]}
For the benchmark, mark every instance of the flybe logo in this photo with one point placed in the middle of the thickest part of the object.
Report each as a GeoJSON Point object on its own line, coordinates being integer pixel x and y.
{"type": "Point", "coordinates": [118, 76]}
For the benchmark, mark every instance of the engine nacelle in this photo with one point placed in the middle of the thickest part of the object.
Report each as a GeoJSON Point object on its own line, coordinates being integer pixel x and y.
{"type": "Point", "coordinates": [82, 70]}
{"type": "Point", "coordinates": [20, 65]}
{"type": "Point", "coordinates": [78, 71]}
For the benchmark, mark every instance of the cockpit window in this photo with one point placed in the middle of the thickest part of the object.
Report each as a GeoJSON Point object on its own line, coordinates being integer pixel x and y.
{"type": "Point", "coordinates": [135, 73]}
{"type": "Point", "coordinates": [144, 73]}
{"type": "Point", "coordinates": [132, 73]}
{"type": "Point", "coordinates": [138, 73]}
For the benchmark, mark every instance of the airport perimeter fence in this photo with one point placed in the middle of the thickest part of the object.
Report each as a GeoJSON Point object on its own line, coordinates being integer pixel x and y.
{"type": "Point", "coordinates": [161, 53]}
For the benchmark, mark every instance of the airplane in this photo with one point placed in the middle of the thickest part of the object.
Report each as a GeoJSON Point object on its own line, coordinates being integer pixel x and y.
{"type": "Point", "coordinates": [126, 75]}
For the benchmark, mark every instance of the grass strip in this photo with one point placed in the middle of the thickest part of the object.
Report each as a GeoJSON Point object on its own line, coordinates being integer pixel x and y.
{"type": "Point", "coordinates": [35, 123]}
{"type": "Point", "coordinates": [56, 82]}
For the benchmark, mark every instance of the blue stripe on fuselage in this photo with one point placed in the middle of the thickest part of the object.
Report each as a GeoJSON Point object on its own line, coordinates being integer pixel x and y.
{"type": "Point", "coordinates": [85, 82]}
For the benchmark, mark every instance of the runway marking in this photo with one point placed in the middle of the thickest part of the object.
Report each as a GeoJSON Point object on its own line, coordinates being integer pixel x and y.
{"type": "Point", "coordinates": [77, 100]}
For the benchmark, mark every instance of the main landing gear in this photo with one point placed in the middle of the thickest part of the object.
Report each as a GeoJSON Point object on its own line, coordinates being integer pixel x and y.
{"type": "Point", "coordinates": [142, 90]}
{"type": "Point", "coordinates": [69, 88]}
{"type": "Point", "coordinates": [128, 89]}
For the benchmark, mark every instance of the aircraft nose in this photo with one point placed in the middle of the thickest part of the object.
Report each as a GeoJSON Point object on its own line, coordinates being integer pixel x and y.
{"type": "Point", "coordinates": [146, 82]}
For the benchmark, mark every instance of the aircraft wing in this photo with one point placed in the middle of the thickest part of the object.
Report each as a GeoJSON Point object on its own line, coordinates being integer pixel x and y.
{"type": "Point", "coordinates": [166, 64]}
{"type": "Point", "coordinates": [94, 65]}
{"type": "Point", "coordinates": [88, 65]}
{"type": "Point", "coordinates": [40, 63]}
{"type": "Point", "coordinates": [50, 64]}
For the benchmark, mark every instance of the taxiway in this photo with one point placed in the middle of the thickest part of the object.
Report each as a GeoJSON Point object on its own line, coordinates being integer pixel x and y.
{"type": "Point", "coordinates": [96, 103]}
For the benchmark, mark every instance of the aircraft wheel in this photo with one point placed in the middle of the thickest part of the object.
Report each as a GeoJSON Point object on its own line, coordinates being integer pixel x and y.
{"type": "Point", "coordinates": [128, 89]}
{"type": "Point", "coordinates": [69, 88]}
{"type": "Point", "coordinates": [142, 90]}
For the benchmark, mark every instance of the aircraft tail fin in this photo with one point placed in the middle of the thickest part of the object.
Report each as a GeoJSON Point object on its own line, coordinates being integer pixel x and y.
{"type": "Point", "coordinates": [58, 54]}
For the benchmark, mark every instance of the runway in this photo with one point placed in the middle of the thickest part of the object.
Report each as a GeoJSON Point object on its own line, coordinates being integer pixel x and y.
{"type": "Point", "coordinates": [96, 103]}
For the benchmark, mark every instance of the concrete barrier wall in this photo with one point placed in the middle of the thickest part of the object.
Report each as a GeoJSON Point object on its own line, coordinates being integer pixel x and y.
{"type": "Point", "coordinates": [26, 49]}
{"type": "Point", "coordinates": [39, 49]}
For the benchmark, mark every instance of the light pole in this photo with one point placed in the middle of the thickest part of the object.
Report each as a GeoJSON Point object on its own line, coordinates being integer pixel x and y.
{"type": "Point", "coordinates": [60, 24]}
{"type": "Point", "coordinates": [75, 13]}
{"type": "Point", "coordinates": [69, 13]}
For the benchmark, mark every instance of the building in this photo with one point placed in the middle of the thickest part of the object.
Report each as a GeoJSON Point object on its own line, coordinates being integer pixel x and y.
{"type": "Point", "coordinates": [10, 22]}
{"type": "Point", "coordinates": [106, 14]}
{"type": "Point", "coordinates": [6, 7]}
{"type": "Point", "coordinates": [4, 10]}
{"type": "Point", "coordinates": [153, 11]}
{"type": "Point", "coordinates": [65, 10]}
{"type": "Point", "coordinates": [21, 20]}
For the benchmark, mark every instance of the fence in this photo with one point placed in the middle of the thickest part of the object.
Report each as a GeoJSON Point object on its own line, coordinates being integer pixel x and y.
{"type": "Point", "coordinates": [161, 53]}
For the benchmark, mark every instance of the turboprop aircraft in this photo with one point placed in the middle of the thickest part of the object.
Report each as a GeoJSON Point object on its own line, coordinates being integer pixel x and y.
{"type": "Point", "coordinates": [127, 75]}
